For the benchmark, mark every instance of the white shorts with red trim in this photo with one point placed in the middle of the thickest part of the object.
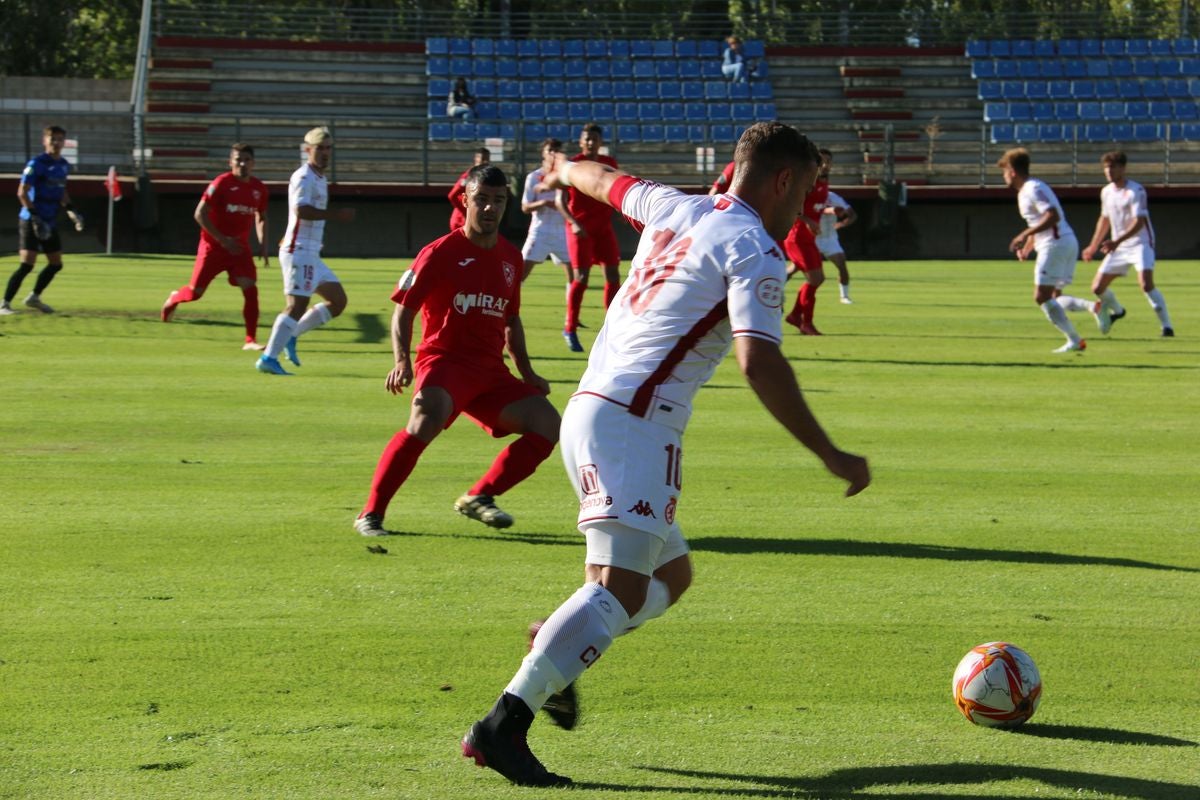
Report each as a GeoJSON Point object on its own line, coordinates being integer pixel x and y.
{"type": "Point", "coordinates": [1055, 264]}
{"type": "Point", "coordinates": [1118, 262]}
{"type": "Point", "coordinates": [303, 271]}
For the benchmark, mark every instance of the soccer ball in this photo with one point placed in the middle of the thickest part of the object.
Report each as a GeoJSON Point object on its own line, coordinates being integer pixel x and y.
{"type": "Point", "coordinates": [997, 685]}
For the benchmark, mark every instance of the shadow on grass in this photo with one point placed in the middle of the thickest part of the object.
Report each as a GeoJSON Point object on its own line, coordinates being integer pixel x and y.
{"type": "Point", "coordinates": [370, 329]}
{"type": "Point", "coordinates": [847, 547]}
{"type": "Point", "coordinates": [857, 783]}
{"type": "Point", "coordinates": [1105, 735]}
{"type": "Point", "coordinates": [483, 532]}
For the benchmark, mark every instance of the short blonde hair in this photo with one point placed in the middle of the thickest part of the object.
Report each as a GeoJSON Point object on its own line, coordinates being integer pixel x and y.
{"type": "Point", "coordinates": [1017, 159]}
{"type": "Point", "coordinates": [318, 136]}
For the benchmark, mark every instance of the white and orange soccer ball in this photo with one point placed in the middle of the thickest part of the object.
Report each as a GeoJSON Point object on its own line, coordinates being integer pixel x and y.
{"type": "Point", "coordinates": [997, 685]}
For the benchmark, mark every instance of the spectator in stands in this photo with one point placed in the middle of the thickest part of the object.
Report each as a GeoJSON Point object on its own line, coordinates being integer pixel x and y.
{"type": "Point", "coordinates": [734, 65]}
{"type": "Point", "coordinates": [458, 216]}
{"type": "Point", "coordinates": [1125, 221]}
{"type": "Point", "coordinates": [460, 102]}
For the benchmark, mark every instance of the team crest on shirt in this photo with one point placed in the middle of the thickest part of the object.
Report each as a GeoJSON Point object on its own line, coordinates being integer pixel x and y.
{"type": "Point", "coordinates": [510, 272]}
{"type": "Point", "coordinates": [669, 511]}
{"type": "Point", "coordinates": [769, 292]}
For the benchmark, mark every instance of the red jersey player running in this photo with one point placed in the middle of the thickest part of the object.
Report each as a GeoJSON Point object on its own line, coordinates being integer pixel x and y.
{"type": "Point", "coordinates": [227, 208]}
{"type": "Point", "coordinates": [590, 237]}
{"type": "Point", "coordinates": [801, 247]}
{"type": "Point", "coordinates": [467, 287]}
{"type": "Point", "coordinates": [457, 216]}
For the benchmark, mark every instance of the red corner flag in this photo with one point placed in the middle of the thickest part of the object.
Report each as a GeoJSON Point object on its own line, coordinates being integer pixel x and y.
{"type": "Point", "coordinates": [112, 184]}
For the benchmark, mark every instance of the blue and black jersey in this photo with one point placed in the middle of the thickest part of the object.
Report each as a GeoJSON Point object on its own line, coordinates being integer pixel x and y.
{"type": "Point", "coordinates": [46, 177]}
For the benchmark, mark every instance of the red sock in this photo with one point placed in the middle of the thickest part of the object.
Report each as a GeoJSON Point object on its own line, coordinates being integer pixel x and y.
{"type": "Point", "coordinates": [395, 465]}
{"type": "Point", "coordinates": [184, 294]}
{"type": "Point", "coordinates": [610, 291]}
{"type": "Point", "coordinates": [807, 302]}
{"type": "Point", "coordinates": [514, 464]}
{"type": "Point", "coordinates": [250, 311]}
{"type": "Point", "coordinates": [794, 316]}
{"type": "Point", "coordinates": [575, 290]}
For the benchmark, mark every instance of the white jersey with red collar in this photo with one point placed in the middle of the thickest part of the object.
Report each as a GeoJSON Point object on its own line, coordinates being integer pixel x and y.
{"type": "Point", "coordinates": [705, 272]}
{"type": "Point", "coordinates": [1033, 200]}
{"type": "Point", "coordinates": [1123, 205]}
{"type": "Point", "coordinates": [307, 187]}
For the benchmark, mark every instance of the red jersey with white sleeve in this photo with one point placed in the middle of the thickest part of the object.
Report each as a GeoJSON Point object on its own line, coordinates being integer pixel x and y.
{"type": "Point", "coordinates": [705, 271]}
{"type": "Point", "coordinates": [232, 204]}
{"type": "Point", "coordinates": [306, 187]}
{"type": "Point", "coordinates": [466, 295]}
{"type": "Point", "coordinates": [458, 213]}
{"type": "Point", "coordinates": [589, 213]}
{"type": "Point", "coordinates": [721, 184]}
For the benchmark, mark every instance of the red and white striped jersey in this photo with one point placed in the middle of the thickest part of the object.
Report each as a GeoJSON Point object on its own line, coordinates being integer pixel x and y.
{"type": "Point", "coordinates": [306, 187]}
{"type": "Point", "coordinates": [705, 271]}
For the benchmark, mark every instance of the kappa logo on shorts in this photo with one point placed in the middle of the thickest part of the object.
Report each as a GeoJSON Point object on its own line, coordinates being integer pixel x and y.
{"type": "Point", "coordinates": [769, 292]}
{"type": "Point", "coordinates": [642, 509]}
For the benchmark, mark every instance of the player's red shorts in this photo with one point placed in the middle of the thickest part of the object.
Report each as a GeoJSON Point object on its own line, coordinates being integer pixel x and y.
{"type": "Point", "coordinates": [212, 260]}
{"type": "Point", "coordinates": [482, 394]}
{"type": "Point", "coordinates": [801, 248]}
{"type": "Point", "coordinates": [598, 247]}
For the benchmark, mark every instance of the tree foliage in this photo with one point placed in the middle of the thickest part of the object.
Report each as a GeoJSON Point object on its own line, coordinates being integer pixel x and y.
{"type": "Point", "coordinates": [69, 38]}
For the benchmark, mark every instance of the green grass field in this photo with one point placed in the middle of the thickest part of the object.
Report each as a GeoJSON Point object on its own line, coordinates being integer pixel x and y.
{"type": "Point", "coordinates": [185, 611]}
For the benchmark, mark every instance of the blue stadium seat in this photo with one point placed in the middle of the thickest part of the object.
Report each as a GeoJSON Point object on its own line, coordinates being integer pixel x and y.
{"type": "Point", "coordinates": [508, 90]}
{"type": "Point", "coordinates": [719, 112]}
{"type": "Point", "coordinates": [465, 132]}
{"type": "Point", "coordinates": [761, 90]}
{"type": "Point", "coordinates": [1106, 89]}
{"type": "Point", "coordinates": [508, 130]}
{"type": "Point", "coordinates": [437, 46]}
{"type": "Point", "coordinates": [440, 131]}
{"type": "Point", "coordinates": [483, 67]}
{"type": "Point", "coordinates": [982, 68]}
{"type": "Point", "coordinates": [650, 112]}
{"type": "Point", "coordinates": [1129, 89]}
{"type": "Point", "coordinates": [976, 48]}
{"type": "Point", "coordinates": [643, 69]}
{"type": "Point", "coordinates": [509, 109]}
{"type": "Point", "coordinates": [483, 47]}
{"type": "Point", "coordinates": [1190, 67]}
{"type": "Point", "coordinates": [716, 90]}
{"type": "Point", "coordinates": [765, 112]}
{"type": "Point", "coordinates": [1029, 68]}
{"type": "Point", "coordinates": [1191, 131]}
{"type": "Point", "coordinates": [554, 89]}
{"type": "Point", "coordinates": [600, 90]}
{"type": "Point", "coordinates": [1043, 112]}
{"type": "Point", "coordinates": [506, 67]}
{"type": "Point", "coordinates": [529, 48]}
{"type": "Point", "coordinates": [1113, 47]}
{"type": "Point", "coordinates": [1012, 90]}
{"type": "Point", "coordinates": [1177, 88]}
{"type": "Point", "coordinates": [460, 47]}
{"type": "Point", "coordinates": [739, 91]}
{"type": "Point", "coordinates": [1146, 132]}
{"type": "Point", "coordinates": [556, 109]}
{"type": "Point", "coordinates": [653, 133]}
{"type": "Point", "coordinates": [553, 68]}
{"type": "Point", "coordinates": [1068, 48]}
{"type": "Point", "coordinates": [724, 134]}
{"type": "Point", "coordinates": [754, 48]}
{"type": "Point", "coordinates": [670, 90]}
{"type": "Point", "coordinates": [692, 90]}
{"type": "Point", "coordinates": [645, 90]}
{"type": "Point", "coordinates": [535, 131]}
{"type": "Point", "coordinates": [1089, 111]}
{"type": "Point", "coordinates": [623, 90]}
{"type": "Point", "coordinates": [1044, 48]}
{"type": "Point", "coordinates": [1137, 111]}
{"type": "Point", "coordinates": [676, 134]}
{"type": "Point", "coordinates": [709, 48]}
{"type": "Point", "coordinates": [574, 68]}
{"type": "Point", "coordinates": [1020, 112]}
{"type": "Point", "coordinates": [1050, 132]}
{"type": "Point", "coordinates": [673, 112]}
{"type": "Point", "coordinates": [697, 133]}
{"type": "Point", "coordinates": [1171, 130]}
{"type": "Point", "coordinates": [620, 68]}
{"type": "Point", "coordinates": [1052, 68]}
{"type": "Point", "coordinates": [1060, 90]}
{"type": "Point", "coordinates": [1026, 132]}
{"type": "Point", "coordinates": [1185, 110]}
{"type": "Point", "coordinates": [506, 48]}
{"type": "Point", "coordinates": [995, 112]}
{"type": "Point", "coordinates": [1184, 47]}
{"type": "Point", "coordinates": [437, 65]}
{"type": "Point", "coordinates": [580, 111]}
{"type": "Point", "coordinates": [1083, 90]}
{"type": "Point", "coordinates": [627, 111]}
{"type": "Point", "coordinates": [531, 90]}
{"type": "Point", "coordinates": [436, 108]}
{"type": "Point", "coordinates": [666, 69]}
{"type": "Point", "coordinates": [1169, 67]}
{"type": "Point", "coordinates": [999, 48]}
{"type": "Point", "coordinates": [1160, 47]}
{"type": "Point", "coordinates": [1037, 90]}
{"type": "Point", "coordinates": [689, 69]}
{"type": "Point", "coordinates": [1112, 109]}
{"type": "Point", "coordinates": [618, 48]}
{"type": "Point", "coordinates": [1074, 68]}
{"type": "Point", "coordinates": [1154, 90]}
{"type": "Point", "coordinates": [686, 48]}
{"type": "Point", "coordinates": [604, 110]}
{"type": "Point", "coordinates": [1021, 48]}
{"type": "Point", "coordinates": [990, 90]}
{"type": "Point", "coordinates": [742, 111]}
{"type": "Point", "coordinates": [560, 130]}
{"type": "Point", "coordinates": [1096, 132]}
{"type": "Point", "coordinates": [711, 70]}
{"type": "Point", "coordinates": [695, 112]}
{"type": "Point", "coordinates": [574, 48]}
{"type": "Point", "coordinates": [1090, 48]}
{"type": "Point", "coordinates": [1002, 133]}
{"type": "Point", "coordinates": [1137, 47]}
{"type": "Point", "coordinates": [1145, 68]}
{"type": "Point", "coordinates": [529, 68]}
{"type": "Point", "coordinates": [641, 48]}
{"type": "Point", "coordinates": [1160, 110]}
{"type": "Point", "coordinates": [533, 110]}
{"type": "Point", "coordinates": [1097, 68]}
{"type": "Point", "coordinates": [596, 48]}
{"type": "Point", "coordinates": [1121, 131]}
{"type": "Point", "coordinates": [439, 87]}
{"type": "Point", "coordinates": [578, 90]}
{"type": "Point", "coordinates": [486, 130]}
{"type": "Point", "coordinates": [486, 109]}
{"type": "Point", "coordinates": [1066, 112]}
{"type": "Point", "coordinates": [598, 69]}
{"type": "Point", "coordinates": [1121, 67]}
{"type": "Point", "coordinates": [1006, 68]}
{"type": "Point", "coordinates": [663, 48]}
{"type": "Point", "coordinates": [461, 65]}
{"type": "Point", "coordinates": [627, 132]}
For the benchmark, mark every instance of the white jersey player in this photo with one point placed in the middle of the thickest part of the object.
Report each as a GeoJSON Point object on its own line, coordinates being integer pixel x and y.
{"type": "Point", "coordinates": [1125, 218]}
{"type": "Point", "coordinates": [304, 273]}
{"type": "Point", "coordinates": [1047, 232]}
{"type": "Point", "coordinates": [547, 237]}
{"type": "Point", "coordinates": [707, 276]}
{"type": "Point", "coordinates": [836, 214]}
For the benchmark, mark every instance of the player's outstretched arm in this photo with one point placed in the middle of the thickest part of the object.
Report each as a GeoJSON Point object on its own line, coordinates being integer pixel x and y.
{"type": "Point", "coordinates": [401, 374]}
{"type": "Point", "coordinates": [1098, 235]}
{"type": "Point", "coordinates": [772, 379]}
{"type": "Point", "coordinates": [590, 177]}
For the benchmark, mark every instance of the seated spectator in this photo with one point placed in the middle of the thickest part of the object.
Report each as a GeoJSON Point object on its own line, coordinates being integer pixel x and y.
{"type": "Point", "coordinates": [460, 102]}
{"type": "Point", "coordinates": [734, 65]}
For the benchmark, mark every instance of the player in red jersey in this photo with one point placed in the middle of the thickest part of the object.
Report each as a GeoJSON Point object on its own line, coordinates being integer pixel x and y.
{"type": "Point", "coordinates": [590, 237]}
{"type": "Point", "coordinates": [721, 184]}
{"type": "Point", "coordinates": [467, 287]}
{"type": "Point", "coordinates": [226, 210]}
{"type": "Point", "coordinates": [457, 217]}
{"type": "Point", "coordinates": [801, 247]}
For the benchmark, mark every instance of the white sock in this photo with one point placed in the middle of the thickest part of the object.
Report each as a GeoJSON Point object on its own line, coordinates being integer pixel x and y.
{"type": "Point", "coordinates": [657, 600]}
{"type": "Point", "coordinates": [315, 317]}
{"type": "Point", "coordinates": [570, 641]}
{"type": "Point", "coordinates": [844, 288]}
{"type": "Point", "coordinates": [1109, 301]}
{"type": "Point", "coordinates": [1154, 296]}
{"type": "Point", "coordinates": [1070, 303]}
{"type": "Point", "coordinates": [283, 330]}
{"type": "Point", "coordinates": [1058, 318]}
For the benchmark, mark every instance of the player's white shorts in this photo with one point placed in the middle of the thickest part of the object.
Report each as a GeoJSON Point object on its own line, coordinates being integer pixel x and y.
{"type": "Point", "coordinates": [627, 471]}
{"type": "Point", "coordinates": [1055, 264]}
{"type": "Point", "coordinates": [546, 241]}
{"type": "Point", "coordinates": [829, 245]}
{"type": "Point", "coordinates": [303, 271]}
{"type": "Point", "coordinates": [1118, 262]}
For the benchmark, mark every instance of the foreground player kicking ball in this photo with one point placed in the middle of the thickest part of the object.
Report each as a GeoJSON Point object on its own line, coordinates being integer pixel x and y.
{"type": "Point", "coordinates": [707, 276]}
{"type": "Point", "coordinates": [467, 286]}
